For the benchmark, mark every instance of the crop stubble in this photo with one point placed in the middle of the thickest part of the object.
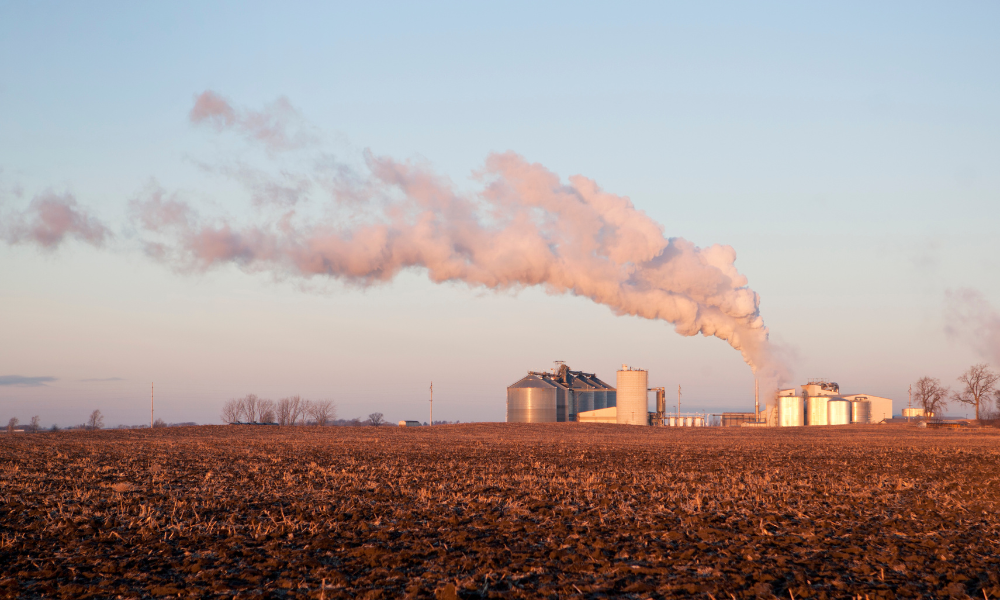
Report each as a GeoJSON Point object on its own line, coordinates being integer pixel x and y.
{"type": "Point", "coordinates": [500, 510]}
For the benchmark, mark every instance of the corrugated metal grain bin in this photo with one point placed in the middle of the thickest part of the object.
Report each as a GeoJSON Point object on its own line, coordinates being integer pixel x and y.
{"type": "Point", "coordinates": [535, 400]}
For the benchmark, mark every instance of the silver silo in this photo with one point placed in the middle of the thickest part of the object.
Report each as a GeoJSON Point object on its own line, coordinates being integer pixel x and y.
{"type": "Point", "coordinates": [861, 411]}
{"type": "Point", "coordinates": [790, 411]}
{"type": "Point", "coordinates": [633, 399]}
{"type": "Point", "coordinates": [600, 399]}
{"type": "Point", "coordinates": [838, 412]}
{"type": "Point", "coordinates": [535, 399]}
{"type": "Point", "coordinates": [816, 413]}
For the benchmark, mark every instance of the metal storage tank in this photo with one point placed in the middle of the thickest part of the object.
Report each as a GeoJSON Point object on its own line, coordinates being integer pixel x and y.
{"type": "Point", "coordinates": [838, 412]}
{"type": "Point", "coordinates": [699, 421]}
{"type": "Point", "coordinates": [816, 413]}
{"type": "Point", "coordinates": [584, 401]}
{"type": "Point", "coordinates": [600, 399]}
{"type": "Point", "coordinates": [534, 399]}
{"type": "Point", "coordinates": [671, 421]}
{"type": "Point", "coordinates": [790, 411]}
{"type": "Point", "coordinates": [688, 422]}
{"type": "Point", "coordinates": [633, 400]}
{"type": "Point", "coordinates": [861, 411]}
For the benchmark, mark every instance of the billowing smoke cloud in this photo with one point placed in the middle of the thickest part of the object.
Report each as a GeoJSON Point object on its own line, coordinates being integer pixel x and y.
{"type": "Point", "coordinates": [523, 227]}
{"type": "Point", "coordinates": [278, 127]}
{"type": "Point", "coordinates": [970, 318]}
{"type": "Point", "coordinates": [50, 219]}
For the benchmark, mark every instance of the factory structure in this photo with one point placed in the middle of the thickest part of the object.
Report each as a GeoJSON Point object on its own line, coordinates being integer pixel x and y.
{"type": "Point", "coordinates": [821, 403]}
{"type": "Point", "coordinates": [561, 395]}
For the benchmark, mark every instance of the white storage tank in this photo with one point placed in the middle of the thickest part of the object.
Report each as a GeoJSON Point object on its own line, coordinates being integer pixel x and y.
{"type": "Point", "coordinates": [699, 421]}
{"type": "Point", "coordinates": [838, 412]}
{"type": "Point", "coordinates": [633, 400]}
{"type": "Point", "coordinates": [790, 411]}
{"type": "Point", "coordinates": [861, 411]}
{"type": "Point", "coordinates": [816, 413]}
{"type": "Point", "coordinates": [671, 421]}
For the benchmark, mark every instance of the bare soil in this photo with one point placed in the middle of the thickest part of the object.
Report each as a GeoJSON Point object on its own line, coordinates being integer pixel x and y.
{"type": "Point", "coordinates": [501, 511]}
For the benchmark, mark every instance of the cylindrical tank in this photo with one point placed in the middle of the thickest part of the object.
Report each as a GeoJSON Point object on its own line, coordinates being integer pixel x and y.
{"type": "Point", "coordinates": [789, 411]}
{"type": "Point", "coordinates": [600, 399]}
{"type": "Point", "coordinates": [699, 421]}
{"type": "Point", "coordinates": [861, 411]}
{"type": "Point", "coordinates": [671, 421]}
{"type": "Point", "coordinates": [633, 403]}
{"type": "Point", "coordinates": [612, 398]}
{"type": "Point", "coordinates": [531, 404]}
{"type": "Point", "coordinates": [816, 410]}
{"type": "Point", "coordinates": [689, 421]}
{"type": "Point", "coordinates": [584, 401]}
{"type": "Point", "coordinates": [838, 412]}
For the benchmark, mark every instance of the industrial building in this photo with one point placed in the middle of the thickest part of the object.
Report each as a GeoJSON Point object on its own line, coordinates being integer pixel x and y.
{"type": "Point", "coordinates": [821, 403]}
{"type": "Point", "coordinates": [557, 395]}
{"type": "Point", "coordinates": [561, 395]}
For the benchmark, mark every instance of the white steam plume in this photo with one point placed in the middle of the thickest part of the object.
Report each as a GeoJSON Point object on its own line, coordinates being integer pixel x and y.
{"type": "Point", "coordinates": [524, 227]}
{"type": "Point", "coordinates": [971, 318]}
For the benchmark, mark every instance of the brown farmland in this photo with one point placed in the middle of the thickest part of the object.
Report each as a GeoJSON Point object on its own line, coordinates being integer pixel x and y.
{"type": "Point", "coordinates": [498, 511]}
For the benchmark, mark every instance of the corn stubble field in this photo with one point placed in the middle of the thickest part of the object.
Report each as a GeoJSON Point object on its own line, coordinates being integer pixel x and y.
{"type": "Point", "coordinates": [500, 510]}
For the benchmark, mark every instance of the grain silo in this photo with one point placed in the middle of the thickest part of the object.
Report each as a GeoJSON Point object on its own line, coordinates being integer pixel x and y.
{"type": "Point", "coordinates": [535, 399]}
{"type": "Point", "coordinates": [633, 405]}
{"type": "Point", "coordinates": [554, 396]}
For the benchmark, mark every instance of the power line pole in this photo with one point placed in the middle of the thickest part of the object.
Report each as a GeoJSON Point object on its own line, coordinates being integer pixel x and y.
{"type": "Point", "coordinates": [150, 404]}
{"type": "Point", "coordinates": [678, 401]}
{"type": "Point", "coordinates": [909, 400]}
{"type": "Point", "coordinates": [432, 403]}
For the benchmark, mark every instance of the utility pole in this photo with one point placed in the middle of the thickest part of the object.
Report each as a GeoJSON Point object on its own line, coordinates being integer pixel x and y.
{"type": "Point", "coordinates": [432, 403]}
{"type": "Point", "coordinates": [150, 404]}
{"type": "Point", "coordinates": [678, 401]}
{"type": "Point", "coordinates": [909, 400]}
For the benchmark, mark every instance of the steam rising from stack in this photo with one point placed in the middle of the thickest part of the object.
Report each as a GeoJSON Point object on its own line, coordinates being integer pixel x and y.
{"type": "Point", "coordinates": [523, 227]}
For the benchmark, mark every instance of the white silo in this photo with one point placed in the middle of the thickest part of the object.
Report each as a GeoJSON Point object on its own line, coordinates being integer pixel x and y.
{"type": "Point", "coordinates": [838, 412]}
{"type": "Point", "coordinates": [633, 405]}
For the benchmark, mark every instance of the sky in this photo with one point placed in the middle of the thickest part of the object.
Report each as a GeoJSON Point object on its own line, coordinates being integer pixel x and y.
{"type": "Point", "coordinates": [846, 151]}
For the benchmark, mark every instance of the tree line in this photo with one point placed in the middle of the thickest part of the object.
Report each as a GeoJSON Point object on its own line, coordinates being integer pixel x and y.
{"type": "Point", "coordinates": [978, 387]}
{"type": "Point", "coordinates": [293, 410]}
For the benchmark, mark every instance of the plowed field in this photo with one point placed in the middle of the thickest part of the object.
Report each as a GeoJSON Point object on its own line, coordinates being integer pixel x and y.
{"type": "Point", "coordinates": [500, 511]}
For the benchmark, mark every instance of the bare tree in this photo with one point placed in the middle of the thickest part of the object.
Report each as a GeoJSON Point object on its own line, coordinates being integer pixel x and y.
{"type": "Point", "coordinates": [323, 411]}
{"type": "Point", "coordinates": [930, 395]}
{"type": "Point", "coordinates": [96, 420]}
{"type": "Point", "coordinates": [36, 424]}
{"type": "Point", "coordinates": [251, 404]}
{"type": "Point", "coordinates": [12, 424]}
{"type": "Point", "coordinates": [265, 410]}
{"type": "Point", "coordinates": [289, 410]}
{"type": "Point", "coordinates": [980, 383]}
{"type": "Point", "coordinates": [306, 409]}
{"type": "Point", "coordinates": [232, 410]}
{"type": "Point", "coordinates": [376, 419]}
{"type": "Point", "coordinates": [159, 423]}
{"type": "Point", "coordinates": [992, 413]}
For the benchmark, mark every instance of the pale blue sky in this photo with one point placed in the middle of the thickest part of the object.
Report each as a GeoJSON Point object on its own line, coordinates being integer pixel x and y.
{"type": "Point", "coordinates": [847, 151]}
